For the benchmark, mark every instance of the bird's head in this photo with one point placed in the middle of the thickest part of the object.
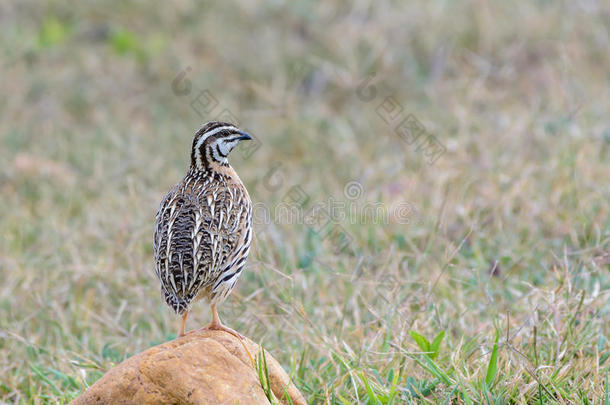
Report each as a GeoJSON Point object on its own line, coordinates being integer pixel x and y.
{"type": "Point", "coordinates": [213, 143]}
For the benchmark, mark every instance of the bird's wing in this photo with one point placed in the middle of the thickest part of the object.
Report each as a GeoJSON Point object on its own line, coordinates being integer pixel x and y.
{"type": "Point", "coordinates": [199, 233]}
{"type": "Point", "coordinates": [222, 227]}
{"type": "Point", "coordinates": [173, 246]}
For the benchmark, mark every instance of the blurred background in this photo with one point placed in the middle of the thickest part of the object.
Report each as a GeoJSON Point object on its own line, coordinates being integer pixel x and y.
{"type": "Point", "coordinates": [448, 161]}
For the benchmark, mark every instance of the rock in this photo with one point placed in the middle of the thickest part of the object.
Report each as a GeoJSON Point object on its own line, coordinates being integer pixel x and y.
{"type": "Point", "coordinates": [204, 367]}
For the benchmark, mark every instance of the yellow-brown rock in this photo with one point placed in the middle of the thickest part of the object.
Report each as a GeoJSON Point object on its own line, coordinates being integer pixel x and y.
{"type": "Point", "coordinates": [204, 367]}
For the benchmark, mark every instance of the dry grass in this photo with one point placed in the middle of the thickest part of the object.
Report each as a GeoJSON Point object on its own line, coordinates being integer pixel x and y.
{"type": "Point", "coordinates": [508, 240]}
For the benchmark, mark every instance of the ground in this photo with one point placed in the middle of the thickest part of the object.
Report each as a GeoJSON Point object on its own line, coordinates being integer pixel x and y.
{"type": "Point", "coordinates": [489, 232]}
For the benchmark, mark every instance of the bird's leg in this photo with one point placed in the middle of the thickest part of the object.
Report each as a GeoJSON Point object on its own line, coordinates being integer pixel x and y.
{"type": "Point", "coordinates": [217, 325]}
{"type": "Point", "coordinates": [183, 324]}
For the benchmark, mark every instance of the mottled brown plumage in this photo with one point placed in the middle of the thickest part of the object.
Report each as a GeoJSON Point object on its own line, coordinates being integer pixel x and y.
{"type": "Point", "coordinates": [203, 227]}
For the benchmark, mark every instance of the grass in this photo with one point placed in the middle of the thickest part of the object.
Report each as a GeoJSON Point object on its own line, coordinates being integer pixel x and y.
{"type": "Point", "coordinates": [495, 291]}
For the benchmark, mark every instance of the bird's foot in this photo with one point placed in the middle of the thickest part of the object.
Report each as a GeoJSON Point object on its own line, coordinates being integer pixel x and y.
{"type": "Point", "coordinates": [220, 326]}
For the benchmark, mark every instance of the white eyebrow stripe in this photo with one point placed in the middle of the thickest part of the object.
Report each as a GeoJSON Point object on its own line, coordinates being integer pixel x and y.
{"type": "Point", "coordinates": [205, 136]}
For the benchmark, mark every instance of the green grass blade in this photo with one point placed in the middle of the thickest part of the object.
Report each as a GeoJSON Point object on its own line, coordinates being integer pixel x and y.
{"type": "Point", "coordinates": [492, 367]}
{"type": "Point", "coordinates": [607, 399]}
{"type": "Point", "coordinates": [429, 365]}
{"type": "Point", "coordinates": [436, 344]}
{"type": "Point", "coordinates": [421, 341]}
{"type": "Point", "coordinates": [372, 396]}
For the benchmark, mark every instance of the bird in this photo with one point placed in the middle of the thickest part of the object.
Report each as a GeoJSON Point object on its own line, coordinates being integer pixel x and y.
{"type": "Point", "coordinates": [203, 228]}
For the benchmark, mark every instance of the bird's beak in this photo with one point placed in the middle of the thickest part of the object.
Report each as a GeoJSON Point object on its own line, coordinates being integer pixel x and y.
{"type": "Point", "coordinates": [244, 136]}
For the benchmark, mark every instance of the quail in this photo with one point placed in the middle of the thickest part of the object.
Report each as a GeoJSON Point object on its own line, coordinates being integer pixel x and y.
{"type": "Point", "coordinates": [203, 228]}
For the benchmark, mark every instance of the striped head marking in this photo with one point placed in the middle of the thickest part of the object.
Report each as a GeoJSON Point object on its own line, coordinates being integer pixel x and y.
{"type": "Point", "coordinates": [213, 143]}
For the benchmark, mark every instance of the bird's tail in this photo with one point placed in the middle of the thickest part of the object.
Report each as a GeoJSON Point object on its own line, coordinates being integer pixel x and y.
{"type": "Point", "coordinates": [178, 304]}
